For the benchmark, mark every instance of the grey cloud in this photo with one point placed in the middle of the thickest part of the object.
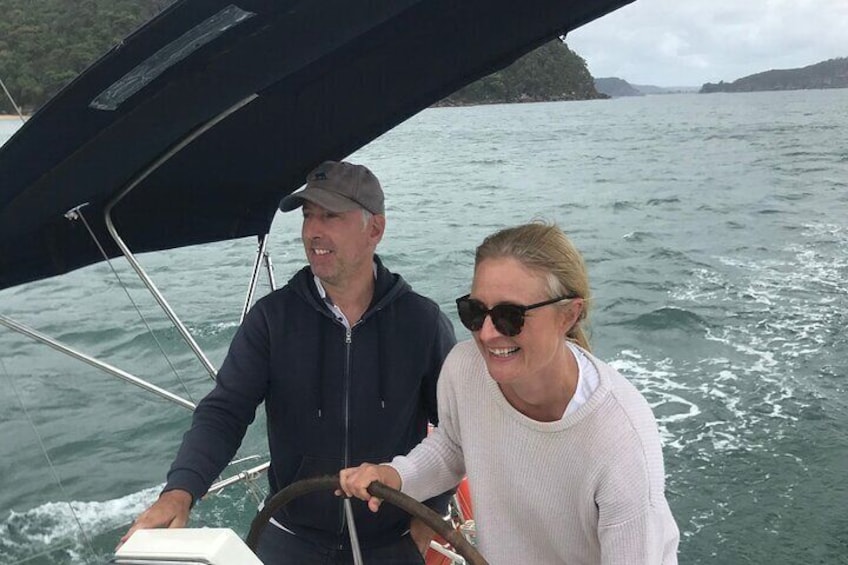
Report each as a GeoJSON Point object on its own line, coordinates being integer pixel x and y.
{"type": "Point", "coordinates": [689, 42]}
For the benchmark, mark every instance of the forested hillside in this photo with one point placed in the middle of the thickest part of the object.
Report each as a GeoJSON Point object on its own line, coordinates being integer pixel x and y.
{"type": "Point", "coordinates": [551, 72]}
{"type": "Point", "coordinates": [44, 44]}
{"type": "Point", "coordinates": [832, 73]}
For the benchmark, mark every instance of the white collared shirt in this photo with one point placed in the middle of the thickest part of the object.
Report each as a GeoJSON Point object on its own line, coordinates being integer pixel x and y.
{"type": "Point", "coordinates": [337, 312]}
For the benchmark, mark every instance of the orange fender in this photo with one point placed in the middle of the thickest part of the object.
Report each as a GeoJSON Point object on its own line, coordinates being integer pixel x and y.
{"type": "Point", "coordinates": [462, 502]}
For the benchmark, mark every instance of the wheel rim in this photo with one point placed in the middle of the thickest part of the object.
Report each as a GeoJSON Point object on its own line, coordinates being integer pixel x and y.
{"type": "Point", "coordinates": [378, 489]}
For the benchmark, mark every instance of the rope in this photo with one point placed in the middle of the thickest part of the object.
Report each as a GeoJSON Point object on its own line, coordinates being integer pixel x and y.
{"type": "Point", "coordinates": [12, 100]}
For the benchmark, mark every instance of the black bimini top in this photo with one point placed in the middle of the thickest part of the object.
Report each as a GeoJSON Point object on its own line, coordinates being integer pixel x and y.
{"type": "Point", "coordinates": [215, 110]}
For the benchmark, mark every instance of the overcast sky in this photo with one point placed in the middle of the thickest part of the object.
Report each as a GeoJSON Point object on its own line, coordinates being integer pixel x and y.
{"type": "Point", "coordinates": [690, 42]}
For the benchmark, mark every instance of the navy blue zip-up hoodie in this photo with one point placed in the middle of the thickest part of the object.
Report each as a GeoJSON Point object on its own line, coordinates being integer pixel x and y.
{"type": "Point", "coordinates": [333, 399]}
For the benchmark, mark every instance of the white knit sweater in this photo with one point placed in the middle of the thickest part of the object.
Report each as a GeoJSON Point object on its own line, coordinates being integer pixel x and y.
{"type": "Point", "coordinates": [585, 490]}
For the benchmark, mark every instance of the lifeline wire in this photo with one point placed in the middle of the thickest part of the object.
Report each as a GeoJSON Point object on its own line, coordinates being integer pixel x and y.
{"type": "Point", "coordinates": [87, 542]}
{"type": "Point", "coordinates": [12, 100]}
{"type": "Point", "coordinates": [137, 309]}
{"type": "Point", "coordinates": [251, 488]}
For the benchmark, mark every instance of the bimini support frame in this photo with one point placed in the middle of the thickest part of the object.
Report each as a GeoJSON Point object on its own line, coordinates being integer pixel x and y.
{"type": "Point", "coordinates": [269, 268]}
{"type": "Point", "coordinates": [262, 256]}
{"type": "Point", "coordinates": [96, 363]}
{"type": "Point", "coordinates": [148, 282]}
{"type": "Point", "coordinates": [249, 475]}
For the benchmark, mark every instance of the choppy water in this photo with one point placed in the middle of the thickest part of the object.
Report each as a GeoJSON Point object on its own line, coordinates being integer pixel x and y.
{"type": "Point", "coordinates": [715, 231]}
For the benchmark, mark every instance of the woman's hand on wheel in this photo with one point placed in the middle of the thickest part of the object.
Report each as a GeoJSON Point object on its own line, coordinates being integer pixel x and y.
{"type": "Point", "coordinates": [354, 482]}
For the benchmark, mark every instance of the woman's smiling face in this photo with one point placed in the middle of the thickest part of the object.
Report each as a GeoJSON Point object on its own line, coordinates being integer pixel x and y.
{"type": "Point", "coordinates": [535, 353]}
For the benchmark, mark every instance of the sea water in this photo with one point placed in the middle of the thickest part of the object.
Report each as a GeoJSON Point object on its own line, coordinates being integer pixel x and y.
{"type": "Point", "coordinates": [715, 228]}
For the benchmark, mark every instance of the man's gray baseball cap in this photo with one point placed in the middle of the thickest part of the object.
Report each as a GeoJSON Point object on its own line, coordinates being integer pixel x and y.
{"type": "Point", "coordinates": [339, 187]}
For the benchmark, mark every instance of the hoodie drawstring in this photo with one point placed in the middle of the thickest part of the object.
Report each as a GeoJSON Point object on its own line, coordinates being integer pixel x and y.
{"type": "Point", "coordinates": [319, 381]}
{"type": "Point", "coordinates": [381, 378]}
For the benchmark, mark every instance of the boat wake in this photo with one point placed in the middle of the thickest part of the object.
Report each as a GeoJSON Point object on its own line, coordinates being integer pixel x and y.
{"type": "Point", "coordinates": [51, 533]}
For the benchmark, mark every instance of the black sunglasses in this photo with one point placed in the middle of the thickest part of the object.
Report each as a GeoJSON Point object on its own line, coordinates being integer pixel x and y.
{"type": "Point", "coordinates": [508, 319]}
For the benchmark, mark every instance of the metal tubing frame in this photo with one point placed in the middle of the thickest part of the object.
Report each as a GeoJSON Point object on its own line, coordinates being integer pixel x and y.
{"type": "Point", "coordinates": [163, 303]}
{"type": "Point", "coordinates": [249, 474]}
{"type": "Point", "coordinates": [262, 255]}
{"type": "Point", "coordinates": [269, 267]}
{"type": "Point", "coordinates": [96, 363]}
{"type": "Point", "coordinates": [148, 282]}
{"type": "Point", "coordinates": [254, 276]}
{"type": "Point", "coordinates": [354, 536]}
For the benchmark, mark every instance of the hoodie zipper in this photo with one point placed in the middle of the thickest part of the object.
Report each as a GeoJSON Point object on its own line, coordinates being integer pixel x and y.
{"type": "Point", "coordinates": [347, 388]}
{"type": "Point", "coordinates": [347, 384]}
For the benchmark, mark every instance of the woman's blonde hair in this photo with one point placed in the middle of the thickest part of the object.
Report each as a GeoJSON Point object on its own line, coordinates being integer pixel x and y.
{"type": "Point", "coordinates": [545, 249]}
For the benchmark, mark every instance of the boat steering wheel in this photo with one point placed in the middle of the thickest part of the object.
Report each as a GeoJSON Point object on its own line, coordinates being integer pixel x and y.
{"type": "Point", "coordinates": [378, 489]}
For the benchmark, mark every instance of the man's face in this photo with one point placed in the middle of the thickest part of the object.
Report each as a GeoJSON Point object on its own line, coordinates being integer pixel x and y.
{"type": "Point", "coordinates": [339, 245]}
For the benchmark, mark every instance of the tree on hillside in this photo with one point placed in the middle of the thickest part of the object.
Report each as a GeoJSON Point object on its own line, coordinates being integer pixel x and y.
{"type": "Point", "coordinates": [551, 72]}
{"type": "Point", "coordinates": [42, 49]}
{"type": "Point", "coordinates": [44, 45]}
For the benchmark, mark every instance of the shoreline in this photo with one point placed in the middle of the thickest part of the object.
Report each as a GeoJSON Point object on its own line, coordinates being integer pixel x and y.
{"type": "Point", "coordinates": [8, 117]}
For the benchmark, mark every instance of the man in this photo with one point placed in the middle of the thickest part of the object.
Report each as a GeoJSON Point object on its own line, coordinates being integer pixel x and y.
{"type": "Point", "coordinates": [346, 358]}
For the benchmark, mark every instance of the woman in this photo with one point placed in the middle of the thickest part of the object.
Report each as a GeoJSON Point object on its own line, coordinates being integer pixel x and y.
{"type": "Point", "coordinates": [562, 453]}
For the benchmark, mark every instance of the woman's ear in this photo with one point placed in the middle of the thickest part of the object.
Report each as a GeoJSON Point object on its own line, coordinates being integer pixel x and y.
{"type": "Point", "coordinates": [571, 314]}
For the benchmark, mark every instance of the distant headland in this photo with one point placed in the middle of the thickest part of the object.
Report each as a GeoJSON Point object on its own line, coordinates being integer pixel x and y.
{"type": "Point", "coordinates": [832, 73]}
{"type": "Point", "coordinates": [616, 87]}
